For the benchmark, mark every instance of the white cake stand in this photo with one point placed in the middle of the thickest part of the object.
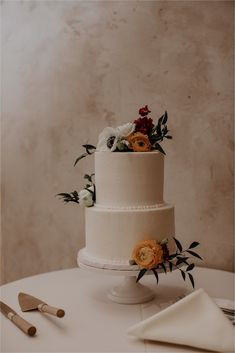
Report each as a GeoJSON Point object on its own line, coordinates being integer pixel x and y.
{"type": "Point", "coordinates": [126, 292]}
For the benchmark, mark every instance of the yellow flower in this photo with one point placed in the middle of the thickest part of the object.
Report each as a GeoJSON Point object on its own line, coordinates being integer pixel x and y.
{"type": "Point", "coordinates": [147, 254]}
{"type": "Point", "coordinates": [139, 142]}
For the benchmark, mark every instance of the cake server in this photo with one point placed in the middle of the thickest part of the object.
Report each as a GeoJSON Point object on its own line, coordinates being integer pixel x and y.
{"type": "Point", "coordinates": [28, 302]}
{"type": "Point", "coordinates": [24, 325]}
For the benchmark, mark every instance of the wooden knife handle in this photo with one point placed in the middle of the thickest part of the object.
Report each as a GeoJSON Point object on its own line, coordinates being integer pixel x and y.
{"type": "Point", "coordinates": [51, 310]}
{"type": "Point", "coordinates": [24, 325]}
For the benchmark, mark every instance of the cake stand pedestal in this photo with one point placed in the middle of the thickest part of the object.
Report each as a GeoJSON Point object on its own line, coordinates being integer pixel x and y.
{"type": "Point", "coordinates": [126, 292]}
{"type": "Point", "coordinates": [130, 292]}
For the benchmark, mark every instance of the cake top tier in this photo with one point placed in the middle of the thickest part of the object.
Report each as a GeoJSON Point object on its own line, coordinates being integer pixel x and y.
{"type": "Point", "coordinates": [129, 165]}
{"type": "Point", "coordinates": [129, 180]}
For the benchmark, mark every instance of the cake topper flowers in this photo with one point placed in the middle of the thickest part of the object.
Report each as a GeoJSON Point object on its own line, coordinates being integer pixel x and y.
{"type": "Point", "coordinates": [140, 136]}
{"type": "Point", "coordinates": [150, 255]}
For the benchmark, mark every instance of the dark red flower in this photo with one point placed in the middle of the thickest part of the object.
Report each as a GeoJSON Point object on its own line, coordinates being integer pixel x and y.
{"type": "Point", "coordinates": [144, 111]}
{"type": "Point", "coordinates": [144, 125]}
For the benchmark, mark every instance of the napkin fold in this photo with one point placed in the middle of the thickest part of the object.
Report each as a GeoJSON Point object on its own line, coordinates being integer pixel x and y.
{"type": "Point", "coordinates": [194, 321]}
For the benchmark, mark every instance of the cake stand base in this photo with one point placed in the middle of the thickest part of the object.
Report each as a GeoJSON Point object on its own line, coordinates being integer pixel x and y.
{"type": "Point", "coordinates": [130, 292]}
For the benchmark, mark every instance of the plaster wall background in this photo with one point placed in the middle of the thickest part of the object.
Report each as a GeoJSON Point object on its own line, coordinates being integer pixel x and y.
{"type": "Point", "coordinates": [70, 68]}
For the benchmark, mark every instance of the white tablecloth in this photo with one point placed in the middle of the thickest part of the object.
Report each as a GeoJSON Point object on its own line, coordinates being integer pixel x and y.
{"type": "Point", "coordinates": [92, 322]}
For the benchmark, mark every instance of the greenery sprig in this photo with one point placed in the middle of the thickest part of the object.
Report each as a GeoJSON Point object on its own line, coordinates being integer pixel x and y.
{"type": "Point", "coordinates": [175, 261]}
{"type": "Point", "coordinates": [90, 149]}
{"type": "Point", "coordinates": [69, 197]}
{"type": "Point", "coordinates": [159, 132]}
{"type": "Point", "coordinates": [74, 196]}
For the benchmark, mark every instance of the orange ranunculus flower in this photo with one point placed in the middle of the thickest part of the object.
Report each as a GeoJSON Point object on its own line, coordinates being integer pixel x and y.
{"type": "Point", "coordinates": [147, 254]}
{"type": "Point", "coordinates": [139, 142]}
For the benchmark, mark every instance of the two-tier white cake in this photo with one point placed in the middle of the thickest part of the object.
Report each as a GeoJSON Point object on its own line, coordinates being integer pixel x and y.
{"type": "Point", "coordinates": [129, 227]}
{"type": "Point", "coordinates": [129, 207]}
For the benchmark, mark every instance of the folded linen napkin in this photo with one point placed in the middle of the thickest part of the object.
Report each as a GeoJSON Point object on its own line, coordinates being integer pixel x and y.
{"type": "Point", "coordinates": [194, 321]}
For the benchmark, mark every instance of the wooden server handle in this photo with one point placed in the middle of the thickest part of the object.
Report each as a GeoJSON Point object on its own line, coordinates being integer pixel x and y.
{"type": "Point", "coordinates": [24, 325]}
{"type": "Point", "coordinates": [45, 308]}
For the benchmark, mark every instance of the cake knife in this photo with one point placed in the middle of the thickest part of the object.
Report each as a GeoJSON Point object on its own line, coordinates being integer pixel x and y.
{"type": "Point", "coordinates": [24, 325]}
{"type": "Point", "coordinates": [28, 302]}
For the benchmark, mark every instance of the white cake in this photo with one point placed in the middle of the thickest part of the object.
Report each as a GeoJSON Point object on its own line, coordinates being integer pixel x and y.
{"type": "Point", "coordinates": [129, 206]}
{"type": "Point", "coordinates": [128, 225]}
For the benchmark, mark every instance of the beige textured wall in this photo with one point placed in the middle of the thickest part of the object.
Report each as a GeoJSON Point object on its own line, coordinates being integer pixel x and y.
{"type": "Point", "coordinates": [69, 68]}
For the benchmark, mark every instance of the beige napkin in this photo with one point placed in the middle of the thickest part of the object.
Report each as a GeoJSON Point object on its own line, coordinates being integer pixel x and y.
{"type": "Point", "coordinates": [194, 321]}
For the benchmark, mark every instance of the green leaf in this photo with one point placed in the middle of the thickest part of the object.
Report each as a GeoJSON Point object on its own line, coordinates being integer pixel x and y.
{"type": "Point", "coordinates": [190, 267]}
{"type": "Point", "coordinates": [183, 274]}
{"type": "Point", "coordinates": [194, 244]}
{"type": "Point", "coordinates": [194, 254]}
{"type": "Point", "coordinates": [89, 177]}
{"type": "Point", "coordinates": [159, 148]}
{"type": "Point", "coordinates": [163, 266]}
{"type": "Point", "coordinates": [172, 256]}
{"type": "Point", "coordinates": [89, 147]}
{"type": "Point", "coordinates": [72, 197]}
{"type": "Point", "coordinates": [141, 274]}
{"type": "Point", "coordinates": [191, 279]}
{"type": "Point", "coordinates": [80, 157]}
{"type": "Point", "coordinates": [160, 119]}
{"type": "Point", "coordinates": [155, 274]}
{"type": "Point", "coordinates": [63, 194]}
{"type": "Point", "coordinates": [165, 118]}
{"type": "Point", "coordinates": [165, 130]}
{"type": "Point", "coordinates": [179, 261]}
{"type": "Point", "coordinates": [159, 130]}
{"type": "Point", "coordinates": [178, 244]}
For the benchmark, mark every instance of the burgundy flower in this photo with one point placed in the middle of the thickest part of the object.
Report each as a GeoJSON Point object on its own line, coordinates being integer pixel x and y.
{"type": "Point", "coordinates": [144, 125]}
{"type": "Point", "coordinates": [144, 111]}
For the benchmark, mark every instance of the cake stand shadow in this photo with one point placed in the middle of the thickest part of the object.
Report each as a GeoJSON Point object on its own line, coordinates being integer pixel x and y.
{"type": "Point", "coordinates": [126, 292]}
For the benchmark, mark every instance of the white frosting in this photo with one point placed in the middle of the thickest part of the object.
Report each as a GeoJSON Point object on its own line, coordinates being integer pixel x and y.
{"type": "Point", "coordinates": [140, 207]}
{"type": "Point", "coordinates": [129, 179]}
{"type": "Point", "coordinates": [129, 206]}
{"type": "Point", "coordinates": [112, 234]}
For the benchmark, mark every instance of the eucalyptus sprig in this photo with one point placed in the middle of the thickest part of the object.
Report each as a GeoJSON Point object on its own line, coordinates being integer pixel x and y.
{"type": "Point", "coordinates": [159, 132]}
{"type": "Point", "coordinates": [90, 149]}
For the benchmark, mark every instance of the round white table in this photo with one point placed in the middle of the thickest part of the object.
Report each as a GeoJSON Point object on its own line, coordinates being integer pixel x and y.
{"type": "Point", "coordinates": [92, 322]}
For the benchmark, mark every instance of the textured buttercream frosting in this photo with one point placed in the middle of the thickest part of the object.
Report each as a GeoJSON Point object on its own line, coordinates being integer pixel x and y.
{"type": "Point", "coordinates": [129, 206]}
{"type": "Point", "coordinates": [112, 234]}
{"type": "Point", "coordinates": [129, 179]}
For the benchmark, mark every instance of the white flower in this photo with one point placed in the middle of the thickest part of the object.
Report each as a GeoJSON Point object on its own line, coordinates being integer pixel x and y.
{"type": "Point", "coordinates": [86, 197]}
{"type": "Point", "coordinates": [104, 136]}
{"type": "Point", "coordinates": [109, 139]}
{"type": "Point", "coordinates": [125, 130]}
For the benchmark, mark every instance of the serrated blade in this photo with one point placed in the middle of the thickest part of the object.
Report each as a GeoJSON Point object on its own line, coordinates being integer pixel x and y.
{"type": "Point", "coordinates": [28, 302]}
{"type": "Point", "coordinates": [5, 309]}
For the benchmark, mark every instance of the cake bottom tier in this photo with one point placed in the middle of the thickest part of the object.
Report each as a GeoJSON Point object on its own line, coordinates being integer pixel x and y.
{"type": "Point", "coordinates": [111, 234]}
